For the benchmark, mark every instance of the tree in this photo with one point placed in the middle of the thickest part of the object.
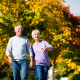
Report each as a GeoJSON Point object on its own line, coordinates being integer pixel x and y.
{"type": "Point", "coordinates": [68, 60]}
{"type": "Point", "coordinates": [52, 19]}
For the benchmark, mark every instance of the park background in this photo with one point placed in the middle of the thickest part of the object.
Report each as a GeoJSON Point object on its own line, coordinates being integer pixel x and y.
{"type": "Point", "coordinates": [57, 26]}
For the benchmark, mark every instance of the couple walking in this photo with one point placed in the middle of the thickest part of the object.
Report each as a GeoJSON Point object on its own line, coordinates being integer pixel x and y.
{"type": "Point", "coordinates": [19, 46]}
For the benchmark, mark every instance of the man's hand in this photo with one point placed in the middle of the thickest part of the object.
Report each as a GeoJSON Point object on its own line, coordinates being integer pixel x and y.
{"type": "Point", "coordinates": [10, 60]}
{"type": "Point", "coordinates": [31, 65]}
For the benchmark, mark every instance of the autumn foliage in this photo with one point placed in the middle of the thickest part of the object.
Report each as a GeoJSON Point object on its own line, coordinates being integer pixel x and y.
{"type": "Point", "coordinates": [56, 25]}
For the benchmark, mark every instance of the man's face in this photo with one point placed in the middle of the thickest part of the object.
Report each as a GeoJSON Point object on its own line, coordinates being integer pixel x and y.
{"type": "Point", "coordinates": [18, 30]}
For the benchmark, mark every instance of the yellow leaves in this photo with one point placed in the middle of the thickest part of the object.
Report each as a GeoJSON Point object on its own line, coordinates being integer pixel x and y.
{"type": "Point", "coordinates": [78, 68]}
{"type": "Point", "coordinates": [1, 20]}
{"type": "Point", "coordinates": [49, 6]}
{"type": "Point", "coordinates": [70, 75]}
{"type": "Point", "coordinates": [41, 19]}
{"type": "Point", "coordinates": [64, 65]}
{"type": "Point", "coordinates": [59, 59]}
{"type": "Point", "coordinates": [70, 66]}
{"type": "Point", "coordinates": [29, 17]}
{"type": "Point", "coordinates": [65, 49]}
{"type": "Point", "coordinates": [37, 22]}
{"type": "Point", "coordinates": [76, 72]}
{"type": "Point", "coordinates": [16, 23]}
{"type": "Point", "coordinates": [35, 6]}
{"type": "Point", "coordinates": [5, 9]}
{"type": "Point", "coordinates": [31, 23]}
{"type": "Point", "coordinates": [64, 69]}
{"type": "Point", "coordinates": [56, 38]}
{"type": "Point", "coordinates": [67, 32]}
{"type": "Point", "coordinates": [4, 39]}
{"type": "Point", "coordinates": [28, 2]}
{"type": "Point", "coordinates": [4, 12]}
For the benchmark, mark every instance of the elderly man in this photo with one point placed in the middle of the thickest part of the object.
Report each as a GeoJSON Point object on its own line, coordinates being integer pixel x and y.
{"type": "Point", "coordinates": [19, 46]}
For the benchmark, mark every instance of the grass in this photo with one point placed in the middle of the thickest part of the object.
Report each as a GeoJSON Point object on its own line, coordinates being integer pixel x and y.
{"type": "Point", "coordinates": [5, 78]}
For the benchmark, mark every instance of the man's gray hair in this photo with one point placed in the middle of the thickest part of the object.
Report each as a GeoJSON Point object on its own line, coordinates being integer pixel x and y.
{"type": "Point", "coordinates": [17, 26]}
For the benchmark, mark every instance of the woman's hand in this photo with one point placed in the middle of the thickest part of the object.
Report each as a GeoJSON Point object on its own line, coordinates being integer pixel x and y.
{"type": "Point", "coordinates": [48, 48]}
{"type": "Point", "coordinates": [44, 48]}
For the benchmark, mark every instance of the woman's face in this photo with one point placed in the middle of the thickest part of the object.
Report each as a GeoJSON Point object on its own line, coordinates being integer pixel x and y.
{"type": "Point", "coordinates": [36, 35]}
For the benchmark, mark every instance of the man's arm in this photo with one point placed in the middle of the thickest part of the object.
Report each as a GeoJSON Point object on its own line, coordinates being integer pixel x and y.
{"type": "Point", "coordinates": [31, 62]}
{"type": "Point", "coordinates": [30, 54]}
{"type": "Point", "coordinates": [8, 51]}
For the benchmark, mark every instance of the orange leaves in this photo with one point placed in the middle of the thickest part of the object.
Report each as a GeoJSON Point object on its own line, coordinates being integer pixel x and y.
{"type": "Point", "coordinates": [70, 38]}
{"type": "Point", "coordinates": [0, 42]}
{"type": "Point", "coordinates": [61, 0]}
{"type": "Point", "coordinates": [61, 12]}
{"type": "Point", "coordinates": [55, 39]}
{"type": "Point", "coordinates": [72, 65]}
{"type": "Point", "coordinates": [74, 43]}
{"type": "Point", "coordinates": [3, 62]}
{"type": "Point", "coordinates": [68, 28]}
{"type": "Point", "coordinates": [51, 61]}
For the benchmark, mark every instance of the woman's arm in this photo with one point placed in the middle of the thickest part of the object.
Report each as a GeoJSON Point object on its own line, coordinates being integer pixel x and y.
{"type": "Point", "coordinates": [48, 48]}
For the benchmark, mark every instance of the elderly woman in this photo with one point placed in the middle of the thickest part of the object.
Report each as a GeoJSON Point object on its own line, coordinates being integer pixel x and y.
{"type": "Point", "coordinates": [40, 53]}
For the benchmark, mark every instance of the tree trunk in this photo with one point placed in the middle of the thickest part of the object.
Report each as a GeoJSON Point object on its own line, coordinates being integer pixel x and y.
{"type": "Point", "coordinates": [53, 70]}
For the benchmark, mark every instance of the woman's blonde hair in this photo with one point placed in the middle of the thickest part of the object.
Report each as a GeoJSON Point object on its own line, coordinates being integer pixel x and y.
{"type": "Point", "coordinates": [34, 32]}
